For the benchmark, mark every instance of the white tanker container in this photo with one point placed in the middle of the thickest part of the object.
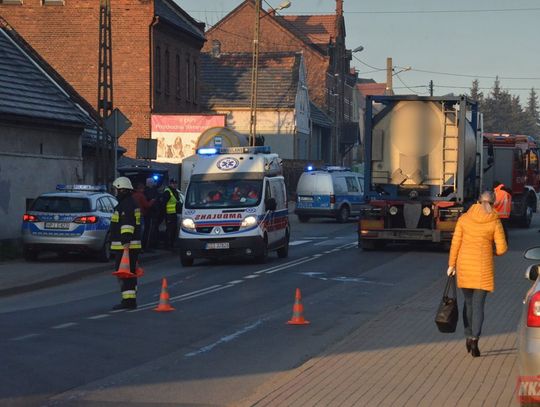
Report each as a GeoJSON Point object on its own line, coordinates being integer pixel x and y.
{"type": "Point", "coordinates": [423, 167]}
{"type": "Point", "coordinates": [415, 146]}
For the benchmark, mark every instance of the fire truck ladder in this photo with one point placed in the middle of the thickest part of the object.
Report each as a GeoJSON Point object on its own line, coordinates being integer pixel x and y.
{"type": "Point", "coordinates": [450, 151]}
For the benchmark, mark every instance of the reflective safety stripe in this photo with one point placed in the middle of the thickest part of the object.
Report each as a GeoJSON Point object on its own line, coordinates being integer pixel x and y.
{"type": "Point", "coordinates": [135, 245]}
{"type": "Point", "coordinates": [129, 294]}
{"type": "Point", "coordinates": [115, 245]}
{"type": "Point", "coordinates": [127, 229]}
{"type": "Point", "coordinates": [137, 216]}
{"type": "Point", "coordinates": [115, 217]}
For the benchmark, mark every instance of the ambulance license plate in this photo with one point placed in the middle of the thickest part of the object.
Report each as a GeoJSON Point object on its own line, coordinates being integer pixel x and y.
{"type": "Point", "coordinates": [220, 245]}
{"type": "Point", "coordinates": [57, 225]}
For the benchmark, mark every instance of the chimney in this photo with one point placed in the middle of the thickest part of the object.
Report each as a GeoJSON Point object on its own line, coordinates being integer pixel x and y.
{"type": "Point", "coordinates": [272, 12]}
{"type": "Point", "coordinates": [216, 48]}
{"type": "Point", "coordinates": [339, 8]}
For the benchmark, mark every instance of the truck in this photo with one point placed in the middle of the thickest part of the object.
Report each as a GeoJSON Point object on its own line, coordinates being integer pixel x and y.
{"type": "Point", "coordinates": [512, 159]}
{"type": "Point", "coordinates": [423, 167]}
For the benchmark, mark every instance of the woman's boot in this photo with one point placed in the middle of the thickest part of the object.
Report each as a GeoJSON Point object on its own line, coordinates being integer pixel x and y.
{"type": "Point", "coordinates": [468, 342]}
{"type": "Point", "coordinates": [475, 352]}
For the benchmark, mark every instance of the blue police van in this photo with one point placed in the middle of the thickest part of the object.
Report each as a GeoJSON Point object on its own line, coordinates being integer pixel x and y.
{"type": "Point", "coordinates": [330, 192]}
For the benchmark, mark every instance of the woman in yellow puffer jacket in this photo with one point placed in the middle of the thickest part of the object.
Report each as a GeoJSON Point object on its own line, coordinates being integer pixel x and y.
{"type": "Point", "coordinates": [471, 255]}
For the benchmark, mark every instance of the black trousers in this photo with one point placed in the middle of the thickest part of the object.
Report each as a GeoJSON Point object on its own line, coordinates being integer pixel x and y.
{"type": "Point", "coordinates": [171, 223]}
{"type": "Point", "coordinates": [128, 286]}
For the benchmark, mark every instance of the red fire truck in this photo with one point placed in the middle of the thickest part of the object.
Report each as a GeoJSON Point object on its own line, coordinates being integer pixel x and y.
{"type": "Point", "coordinates": [513, 160]}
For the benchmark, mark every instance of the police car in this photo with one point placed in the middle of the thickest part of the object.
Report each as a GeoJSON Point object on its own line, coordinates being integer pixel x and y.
{"type": "Point", "coordinates": [75, 218]}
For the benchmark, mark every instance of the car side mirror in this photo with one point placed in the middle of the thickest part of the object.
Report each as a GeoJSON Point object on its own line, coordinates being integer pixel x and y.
{"type": "Point", "coordinates": [532, 272]}
{"type": "Point", "coordinates": [270, 204]}
{"type": "Point", "coordinates": [533, 253]}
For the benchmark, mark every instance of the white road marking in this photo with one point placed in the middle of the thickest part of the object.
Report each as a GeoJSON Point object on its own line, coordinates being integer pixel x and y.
{"type": "Point", "coordinates": [286, 266]}
{"type": "Point", "coordinates": [235, 282]}
{"type": "Point", "coordinates": [101, 316]}
{"type": "Point", "coordinates": [298, 242]}
{"type": "Point", "coordinates": [279, 265]}
{"type": "Point", "coordinates": [224, 339]}
{"type": "Point", "coordinates": [116, 311]}
{"type": "Point", "coordinates": [23, 337]}
{"type": "Point", "coordinates": [316, 237]}
{"type": "Point", "coordinates": [252, 276]}
{"type": "Point", "coordinates": [66, 325]}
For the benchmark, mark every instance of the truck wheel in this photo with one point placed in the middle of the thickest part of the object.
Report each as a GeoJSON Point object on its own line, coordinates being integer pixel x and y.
{"type": "Point", "coordinates": [283, 252]}
{"type": "Point", "coordinates": [29, 254]}
{"type": "Point", "coordinates": [303, 218]}
{"type": "Point", "coordinates": [186, 261]}
{"type": "Point", "coordinates": [343, 214]}
{"type": "Point", "coordinates": [525, 221]}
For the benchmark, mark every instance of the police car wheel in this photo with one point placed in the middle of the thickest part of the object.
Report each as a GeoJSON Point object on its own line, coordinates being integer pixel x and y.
{"type": "Point", "coordinates": [29, 254]}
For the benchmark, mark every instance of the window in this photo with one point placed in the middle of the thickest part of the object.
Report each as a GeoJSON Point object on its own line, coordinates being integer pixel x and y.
{"type": "Point", "coordinates": [195, 79]}
{"type": "Point", "coordinates": [352, 184]}
{"type": "Point", "coordinates": [188, 77]}
{"type": "Point", "coordinates": [533, 160]}
{"type": "Point", "coordinates": [11, 1]}
{"type": "Point", "coordinates": [178, 77]}
{"type": "Point", "coordinates": [158, 69]}
{"type": "Point", "coordinates": [53, 2]}
{"type": "Point", "coordinates": [167, 73]}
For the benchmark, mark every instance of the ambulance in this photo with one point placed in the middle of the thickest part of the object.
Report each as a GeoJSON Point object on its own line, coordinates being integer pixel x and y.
{"type": "Point", "coordinates": [236, 205]}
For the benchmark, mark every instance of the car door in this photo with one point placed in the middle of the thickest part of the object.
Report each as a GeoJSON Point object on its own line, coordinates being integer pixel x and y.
{"type": "Point", "coordinates": [270, 215]}
{"type": "Point", "coordinates": [280, 216]}
{"type": "Point", "coordinates": [353, 190]}
{"type": "Point", "coordinates": [104, 212]}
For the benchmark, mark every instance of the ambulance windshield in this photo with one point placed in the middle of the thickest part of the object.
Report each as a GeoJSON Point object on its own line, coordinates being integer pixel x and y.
{"type": "Point", "coordinates": [223, 194]}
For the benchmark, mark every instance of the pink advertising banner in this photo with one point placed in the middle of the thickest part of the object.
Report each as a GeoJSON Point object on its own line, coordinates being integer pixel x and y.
{"type": "Point", "coordinates": [177, 135]}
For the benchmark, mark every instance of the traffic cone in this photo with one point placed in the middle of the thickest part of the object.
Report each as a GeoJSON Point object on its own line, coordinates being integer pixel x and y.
{"type": "Point", "coordinates": [298, 311]}
{"type": "Point", "coordinates": [164, 305]}
{"type": "Point", "coordinates": [124, 269]}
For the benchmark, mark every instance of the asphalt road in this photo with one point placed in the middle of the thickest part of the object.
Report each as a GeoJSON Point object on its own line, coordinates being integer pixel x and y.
{"type": "Point", "coordinates": [227, 336]}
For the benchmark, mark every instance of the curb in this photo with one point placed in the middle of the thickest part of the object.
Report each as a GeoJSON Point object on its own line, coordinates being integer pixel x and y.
{"type": "Point", "coordinates": [69, 277]}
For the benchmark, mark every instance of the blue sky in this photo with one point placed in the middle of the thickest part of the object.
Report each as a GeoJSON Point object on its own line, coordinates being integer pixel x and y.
{"type": "Point", "coordinates": [443, 37]}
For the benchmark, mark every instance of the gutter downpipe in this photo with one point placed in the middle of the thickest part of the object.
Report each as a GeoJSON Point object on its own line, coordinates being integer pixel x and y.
{"type": "Point", "coordinates": [155, 21]}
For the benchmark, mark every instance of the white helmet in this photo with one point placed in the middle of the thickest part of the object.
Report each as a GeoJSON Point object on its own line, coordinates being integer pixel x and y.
{"type": "Point", "coordinates": [122, 183]}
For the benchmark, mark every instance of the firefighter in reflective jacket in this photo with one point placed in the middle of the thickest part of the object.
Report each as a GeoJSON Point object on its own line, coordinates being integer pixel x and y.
{"type": "Point", "coordinates": [502, 205]}
{"type": "Point", "coordinates": [126, 233]}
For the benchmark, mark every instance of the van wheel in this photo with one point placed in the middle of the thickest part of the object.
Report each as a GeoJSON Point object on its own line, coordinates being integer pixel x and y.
{"type": "Point", "coordinates": [186, 261]}
{"type": "Point", "coordinates": [343, 214]}
{"type": "Point", "coordinates": [303, 218]}
{"type": "Point", "coordinates": [29, 254]}
{"type": "Point", "coordinates": [261, 258]}
{"type": "Point", "coordinates": [283, 252]}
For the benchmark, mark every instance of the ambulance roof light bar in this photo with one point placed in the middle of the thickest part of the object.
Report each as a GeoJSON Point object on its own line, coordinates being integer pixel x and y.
{"type": "Point", "coordinates": [233, 150]}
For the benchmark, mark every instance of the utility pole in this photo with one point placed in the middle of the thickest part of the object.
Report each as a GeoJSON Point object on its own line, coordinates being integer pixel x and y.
{"type": "Point", "coordinates": [389, 72]}
{"type": "Point", "coordinates": [254, 76]}
{"type": "Point", "coordinates": [106, 148]}
{"type": "Point", "coordinates": [431, 88]}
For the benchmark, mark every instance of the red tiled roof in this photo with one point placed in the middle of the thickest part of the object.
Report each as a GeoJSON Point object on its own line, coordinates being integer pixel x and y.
{"type": "Point", "coordinates": [315, 29]}
{"type": "Point", "coordinates": [369, 89]}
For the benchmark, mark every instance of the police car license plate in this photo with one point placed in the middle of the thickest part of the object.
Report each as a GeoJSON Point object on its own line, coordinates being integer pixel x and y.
{"type": "Point", "coordinates": [56, 225]}
{"type": "Point", "coordinates": [220, 245]}
{"type": "Point", "coordinates": [306, 198]}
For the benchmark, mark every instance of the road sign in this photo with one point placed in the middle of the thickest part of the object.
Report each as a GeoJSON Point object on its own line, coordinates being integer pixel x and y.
{"type": "Point", "coordinates": [218, 141]}
{"type": "Point", "coordinates": [117, 124]}
{"type": "Point", "coordinates": [146, 148]}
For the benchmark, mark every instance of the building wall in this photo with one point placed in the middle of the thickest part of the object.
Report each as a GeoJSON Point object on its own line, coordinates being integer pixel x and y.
{"type": "Point", "coordinates": [21, 159]}
{"type": "Point", "coordinates": [236, 35]}
{"type": "Point", "coordinates": [66, 36]}
{"type": "Point", "coordinates": [176, 72]}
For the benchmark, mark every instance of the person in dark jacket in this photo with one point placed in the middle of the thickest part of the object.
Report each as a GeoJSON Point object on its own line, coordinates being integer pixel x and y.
{"type": "Point", "coordinates": [145, 205]}
{"type": "Point", "coordinates": [173, 200]}
{"type": "Point", "coordinates": [126, 233]}
{"type": "Point", "coordinates": [153, 218]}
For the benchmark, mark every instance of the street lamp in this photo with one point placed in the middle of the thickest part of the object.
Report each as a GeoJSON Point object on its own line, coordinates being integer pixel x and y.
{"type": "Point", "coordinates": [358, 49]}
{"type": "Point", "coordinates": [390, 74]}
{"type": "Point", "coordinates": [255, 68]}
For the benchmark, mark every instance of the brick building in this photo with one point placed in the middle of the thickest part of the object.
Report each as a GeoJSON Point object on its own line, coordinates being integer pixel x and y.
{"type": "Point", "coordinates": [155, 48]}
{"type": "Point", "coordinates": [321, 38]}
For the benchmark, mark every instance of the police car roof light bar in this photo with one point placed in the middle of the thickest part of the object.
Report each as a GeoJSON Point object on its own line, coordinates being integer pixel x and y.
{"type": "Point", "coordinates": [80, 188]}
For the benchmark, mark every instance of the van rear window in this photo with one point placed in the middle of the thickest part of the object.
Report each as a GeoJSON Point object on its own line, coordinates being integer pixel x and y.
{"type": "Point", "coordinates": [60, 204]}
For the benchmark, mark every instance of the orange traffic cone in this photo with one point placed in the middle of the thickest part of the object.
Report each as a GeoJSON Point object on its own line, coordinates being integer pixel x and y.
{"type": "Point", "coordinates": [124, 270]}
{"type": "Point", "coordinates": [298, 310]}
{"type": "Point", "coordinates": [164, 305]}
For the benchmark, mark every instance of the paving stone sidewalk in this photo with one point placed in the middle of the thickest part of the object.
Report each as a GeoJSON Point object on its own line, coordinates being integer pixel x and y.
{"type": "Point", "coordinates": [400, 359]}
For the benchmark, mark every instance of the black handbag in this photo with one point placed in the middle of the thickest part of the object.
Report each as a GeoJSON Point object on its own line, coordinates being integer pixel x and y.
{"type": "Point", "coordinates": [447, 313]}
